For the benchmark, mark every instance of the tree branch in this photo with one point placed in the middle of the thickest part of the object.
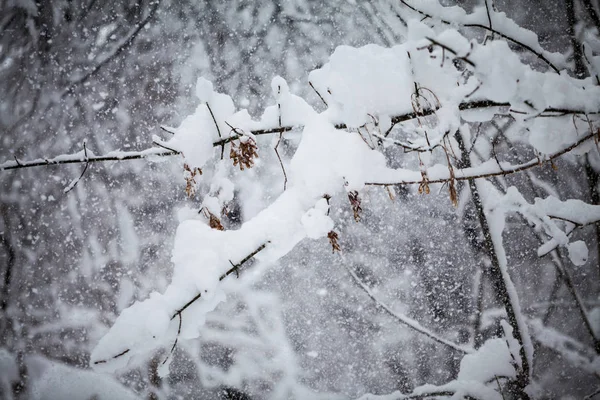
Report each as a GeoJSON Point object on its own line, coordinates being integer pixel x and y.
{"type": "Point", "coordinates": [489, 29]}
{"type": "Point", "coordinates": [151, 152]}
{"type": "Point", "coordinates": [125, 43]}
{"type": "Point", "coordinates": [408, 322]}
{"type": "Point", "coordinates": [463, 174]}
{"type": "Point", "coordinates": [178, 312]}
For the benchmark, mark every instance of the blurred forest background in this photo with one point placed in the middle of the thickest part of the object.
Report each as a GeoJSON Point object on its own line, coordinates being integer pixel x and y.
{"type": "Point", "coordinates": [108, 74]}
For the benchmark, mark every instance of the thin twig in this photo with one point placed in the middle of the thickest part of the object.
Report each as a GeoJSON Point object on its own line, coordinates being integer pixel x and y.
{"type": "Point", "coordinates": [128, 41]}
{"type": "Point", "coordinates": [74, 183]}
{"type": "Point", "coordinates": [176, 339]}
{"type": "Point", "coordinates": [592, 395]}
{"type": "Point", "coordinates": [445, 47]}
{"type": "Point", "coordinates": [412, 324]}
{"type": "Point", "coordinates": [281, 162]}
{"type": "Point", "coordinates": [168, 129]}
{"type": "Point", "coordinates": [164, 147]}
{"type": "Point", "coordinates": [318, 94]}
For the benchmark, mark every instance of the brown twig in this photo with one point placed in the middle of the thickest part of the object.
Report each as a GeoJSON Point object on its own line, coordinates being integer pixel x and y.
{"type": "Point", "coordinates": [318, 94]}
{"type": "Point", "coordinates": [281, 162]}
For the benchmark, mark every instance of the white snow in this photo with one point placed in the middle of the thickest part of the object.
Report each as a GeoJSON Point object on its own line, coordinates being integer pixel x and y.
{"type": "Point", "coordinates": [492, 359]}
{"type": "Point", "coordinates": [316, 222]}
{"type": "Point", "coordinates": [578, 252]}
{"type": "Point", "coordinates": [55, 381]}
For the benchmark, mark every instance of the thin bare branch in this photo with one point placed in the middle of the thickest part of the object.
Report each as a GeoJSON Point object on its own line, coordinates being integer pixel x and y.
{"type": "Point", "coordinates": [285, 179]}
{"type": "Point", "coordinates": [122, 46]}
{"type": "Point", "coordinates": [404, 320]}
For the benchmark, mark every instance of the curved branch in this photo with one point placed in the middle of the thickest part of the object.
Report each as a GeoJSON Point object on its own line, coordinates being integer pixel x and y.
{"type": "Point", "coordinates": [408, 322]}
{"type": "Point", "coordinates": [125, 43]}
{"type": "Point", "coordinates": [178, 312]}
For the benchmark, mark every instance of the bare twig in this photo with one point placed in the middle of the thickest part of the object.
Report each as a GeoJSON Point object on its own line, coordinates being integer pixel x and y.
{"type": "Point", "coordinates": [125, 43]}
{"type": "Point", "coordinates": [408, 322]}
{"type": "Point", "coordinates": [592, 395]}
{"type": "Point", "coordinates": [318, 94]}
{"type": "Point", "coordinates": [281, 162]}
{"type": "Point", "coordinates": [168, 129]}
{"type": "Point", "coordinates": [76, 181]}
{"type": "Point", "coordinates": [445, 47]}
{"type": "Point", "coordinates": [176, 340]}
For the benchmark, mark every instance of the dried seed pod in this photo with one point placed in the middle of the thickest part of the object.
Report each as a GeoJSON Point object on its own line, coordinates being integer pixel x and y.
{"type": "Point", "coordinates": [355, 203]}
{"type": "Point", "coordinates": [213, 221]}
{"type": "Point", "coordinates": [424, 186]}
{"type": "Point", "coordinates": [333, 239]}
{"type": "Point", "coordinates": [243, 153]}
{"type": "Point", "coordinates": [189, 175]}
{"type": "Point", "coordinates": [452, 188]}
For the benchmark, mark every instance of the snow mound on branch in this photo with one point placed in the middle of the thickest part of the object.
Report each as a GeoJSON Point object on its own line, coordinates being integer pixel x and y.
{"type": "Point", "coordinates": [370, 79]}
{"type": "Point", "coordinates": [578, 252]}
{"type": "Point", "coordinates": [489, 361]}
{"type": "Point", "coordinates": [290, 110]}
{"type": "Point", "coordinates": [316, 222]}
{"type": "Point", "coordinates": [139, 329]}
{"type": "Point", "coordinates": [327, 158]}
{"type": "Point", "coordinates": [55, 381]}
{"type": "Point", "coordinates": [195, 136]}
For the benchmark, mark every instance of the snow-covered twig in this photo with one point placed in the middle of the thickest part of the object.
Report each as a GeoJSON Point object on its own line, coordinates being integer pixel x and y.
{"type": "Point", "coordinates": [571, 350]}
{"type": "Point", "coordinates": [133, 155]}
{"type": "Point", "coordinates": [486, 172]}
{"type": "Point", "coordinates": [179, 312]}
{"type": "Point", "coordinates": [530, 47]}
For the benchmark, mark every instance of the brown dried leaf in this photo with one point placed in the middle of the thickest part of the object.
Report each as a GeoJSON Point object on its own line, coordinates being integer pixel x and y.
{"type": "Point", "coordinates": [452, 188]}
{"type": "Point", "coordinates": [243, 153]}
{"type": "Point", "coordinates": [333, 239]}
{"type": "Point", "coordinates": [213, 221]}
{"type": "Point", "coordinates": [355, 203]}
{"type": "Point", "coordinates": [424, 186]}
{"type": "Point", "coordinates": [391, 192]}
{"type": "Point", "coordinates": [189, 175]}
{"type": "Point", "coordinates": [453, 195]}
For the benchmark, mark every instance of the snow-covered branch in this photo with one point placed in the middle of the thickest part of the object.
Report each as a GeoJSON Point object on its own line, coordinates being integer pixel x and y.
{"type": "Point", "coordinates": [415, 95]}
